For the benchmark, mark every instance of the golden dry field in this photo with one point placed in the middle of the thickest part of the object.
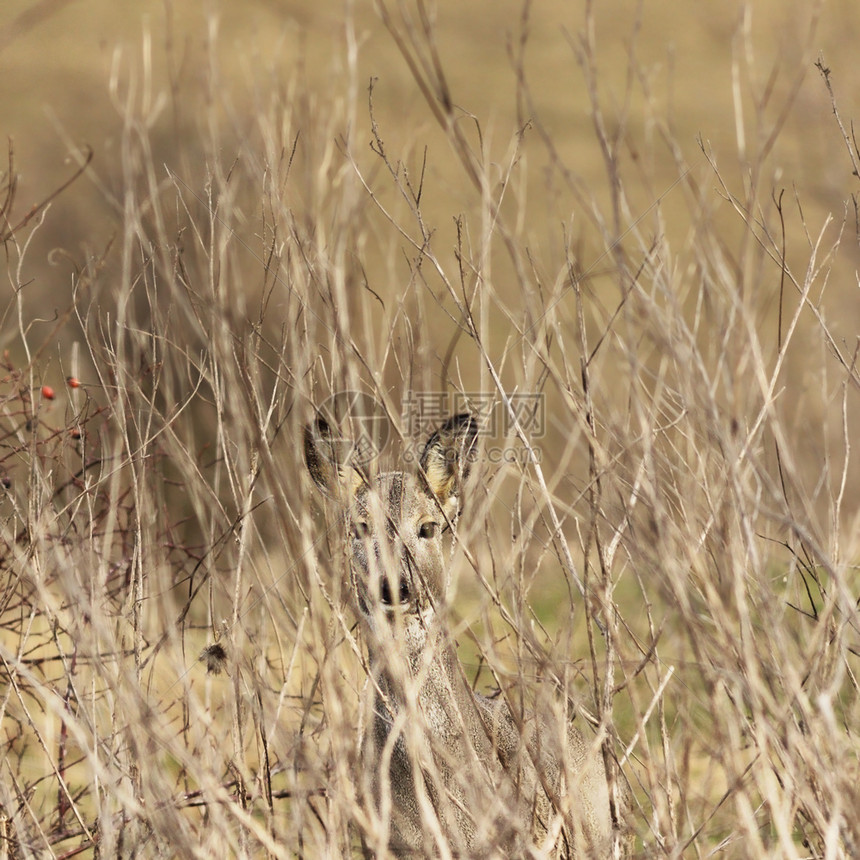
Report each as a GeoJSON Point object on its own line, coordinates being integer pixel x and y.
{"type": "Point", "coordinates": [625, 235]}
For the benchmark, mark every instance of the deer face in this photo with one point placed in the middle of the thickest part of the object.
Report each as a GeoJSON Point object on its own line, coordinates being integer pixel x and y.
{"type": "Point", "coordinates": [395, 531]}
{"type": "Point", "coordinates": [394, 522]}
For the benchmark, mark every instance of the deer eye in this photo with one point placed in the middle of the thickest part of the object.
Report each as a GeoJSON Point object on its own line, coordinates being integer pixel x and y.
{"type": "Point", "coordinates": [360, 530]}
{"type": "Point", "coordinates": [428, 530]}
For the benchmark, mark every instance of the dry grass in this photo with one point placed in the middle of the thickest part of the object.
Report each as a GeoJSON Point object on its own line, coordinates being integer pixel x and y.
{"type": "Point", "coordinates": [682, 564]}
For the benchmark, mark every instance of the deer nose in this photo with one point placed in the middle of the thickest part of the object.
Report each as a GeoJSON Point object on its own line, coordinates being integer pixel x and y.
{"type": "Point", "coordinates": [386, 593]}
{"type": "Point", "coordinates": [391, 586]}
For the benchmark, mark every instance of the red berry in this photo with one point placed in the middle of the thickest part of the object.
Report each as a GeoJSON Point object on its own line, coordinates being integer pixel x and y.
{"type": "Point", "coordinates": [73, 382]}
{"type": "Point", "coordinates": [47, 392]}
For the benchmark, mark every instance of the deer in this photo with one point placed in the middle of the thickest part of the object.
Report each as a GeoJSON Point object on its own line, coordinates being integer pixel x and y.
{"type": "Point", "coordinates": [453, 773]}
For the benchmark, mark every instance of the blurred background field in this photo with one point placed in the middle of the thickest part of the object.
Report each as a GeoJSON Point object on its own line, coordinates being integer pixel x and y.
{"type": "Point", "coordinates": [734, 80]}
{"type": "Point", "coordinates": [644, 212]}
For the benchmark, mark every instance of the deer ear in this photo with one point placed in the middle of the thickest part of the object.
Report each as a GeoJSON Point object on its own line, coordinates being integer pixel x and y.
{"type": "Point", "coordinates": [447, 456]}
{"type": "Point", "coordinates": [326, 461]}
